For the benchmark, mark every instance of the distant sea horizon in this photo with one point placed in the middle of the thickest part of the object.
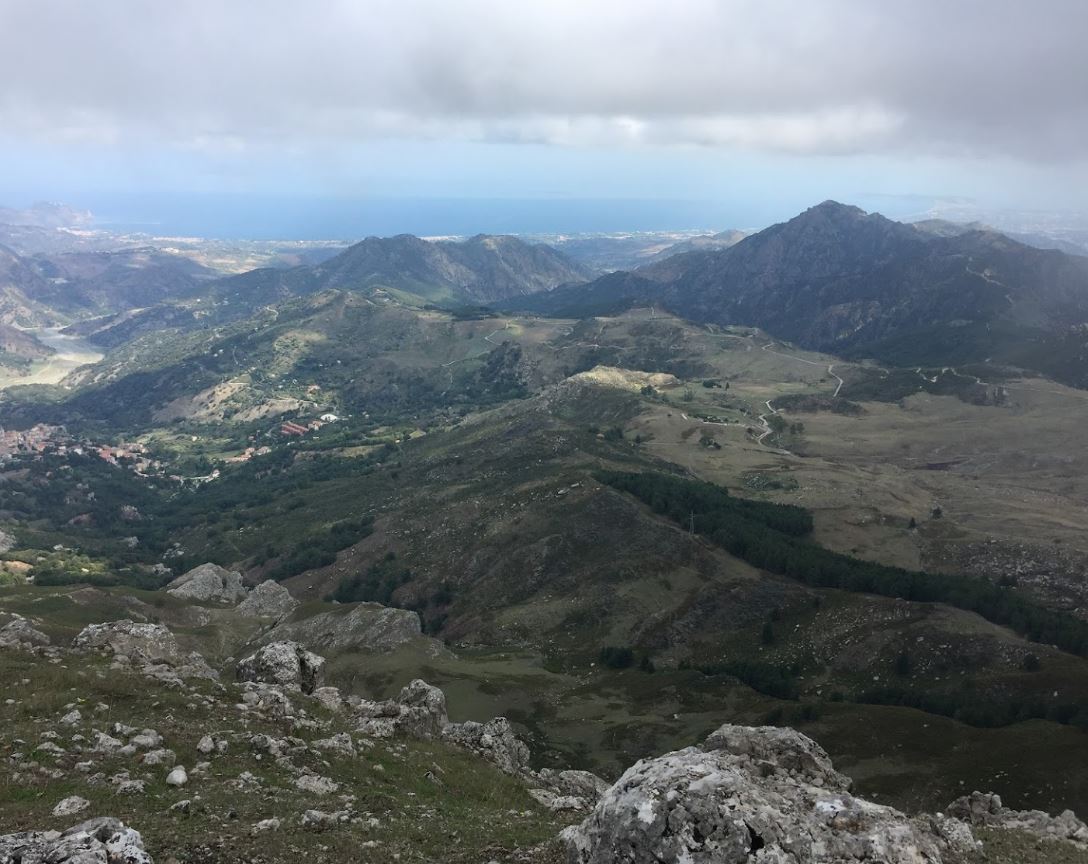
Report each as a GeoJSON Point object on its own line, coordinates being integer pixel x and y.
{"type": "Point", "coordinates": [279, 218]}
{"type": "Point", "coordinates": [297, 218]}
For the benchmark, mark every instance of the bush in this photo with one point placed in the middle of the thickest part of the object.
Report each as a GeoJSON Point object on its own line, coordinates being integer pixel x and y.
{"type": "Point", "coordinates": [320, 549]}
{"type": "Point", "coordinates": [375, 585]}
{"type": "Point", "coordinates": [615, 657]}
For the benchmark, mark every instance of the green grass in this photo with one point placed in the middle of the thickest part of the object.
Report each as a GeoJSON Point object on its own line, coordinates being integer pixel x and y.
{"type": "Point", "coordinates": [474, 813]}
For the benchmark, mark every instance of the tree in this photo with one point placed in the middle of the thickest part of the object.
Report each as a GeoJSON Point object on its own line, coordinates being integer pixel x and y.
{"type": "Point", "coordinates": [616, 657]}
{"type": "Point", "coordinates": [937, 512]}
{"type": "Point", "coordinates": [902, 664]}
{"type": "Point", "coordinates": [767, 636]}
{"type": "Point", "coordinates": [912, 524]}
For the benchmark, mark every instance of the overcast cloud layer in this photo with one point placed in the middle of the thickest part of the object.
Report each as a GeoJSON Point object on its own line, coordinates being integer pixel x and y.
{"type": "Point", "coordinates": [991, 78]}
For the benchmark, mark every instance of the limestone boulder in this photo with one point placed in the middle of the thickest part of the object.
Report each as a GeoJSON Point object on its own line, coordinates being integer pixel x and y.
{"type": "Point", "coordinates": [209, 583]}
{"type": "Point", "coordinates": [285, 664]}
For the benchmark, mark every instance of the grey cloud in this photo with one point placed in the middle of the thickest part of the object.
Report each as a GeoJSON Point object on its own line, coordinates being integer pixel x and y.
{"type": "Point", "coordinates": [969, 77]}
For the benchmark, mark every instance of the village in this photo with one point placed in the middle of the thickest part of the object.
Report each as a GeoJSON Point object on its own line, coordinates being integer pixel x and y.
{"type": "Point", "coordinates": [42, 439]}
{"type": "Point", "coordinates": [45, 439]}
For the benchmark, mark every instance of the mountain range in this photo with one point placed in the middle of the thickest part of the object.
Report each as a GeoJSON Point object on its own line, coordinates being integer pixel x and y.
{"type": "Point", "coordinates": [482, 269]}
{"type": "Point", "coordinates": [838, 279]}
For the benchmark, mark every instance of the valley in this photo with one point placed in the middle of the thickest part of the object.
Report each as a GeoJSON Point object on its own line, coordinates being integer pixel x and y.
{"type": "Point", "coordinates": [616, 527]}
{"type": "Point", "coordinates": [68, 354]}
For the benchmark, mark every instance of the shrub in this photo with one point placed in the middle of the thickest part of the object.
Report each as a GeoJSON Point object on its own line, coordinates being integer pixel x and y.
{"type": "Point", "coordinates": [615, 657]}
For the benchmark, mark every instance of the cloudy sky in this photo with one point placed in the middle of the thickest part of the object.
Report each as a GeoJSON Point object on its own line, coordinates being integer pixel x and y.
{"type": "Point", "coordinates": [723, 112]}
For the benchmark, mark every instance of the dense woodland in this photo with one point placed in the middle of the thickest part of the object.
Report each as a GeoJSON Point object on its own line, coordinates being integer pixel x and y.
{"type": "Point", "coordinates": [772, 537]}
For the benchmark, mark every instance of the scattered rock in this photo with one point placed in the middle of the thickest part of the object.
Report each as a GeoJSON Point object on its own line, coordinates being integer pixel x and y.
{"type": "Point", "coordinates": [177, 777]}
{"type": "Point", "coordinates": [316, 784]}
{"type": "Point", "coordinates": [104, 743]}
{"type": "Point", "coordinates": [286, 664]}
{"type": "Point", "coordinates": [318, 819]}
{"type": "Point", "coordinates": [341, 744]}
{"type": "Point", "coordinates": [70, 806]}
{"type": "Point", "coordinates": [160, 757]}
{"type": "Point", "coordinates": [209, 583]}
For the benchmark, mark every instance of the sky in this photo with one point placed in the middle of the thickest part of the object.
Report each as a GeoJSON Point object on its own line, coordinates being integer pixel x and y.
{"type": "Point", "coordinates": [333, 118]}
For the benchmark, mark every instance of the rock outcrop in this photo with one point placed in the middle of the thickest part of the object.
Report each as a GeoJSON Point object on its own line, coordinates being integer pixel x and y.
{"type": "Point", "coordinates": [101, 841]}
{"type": "Point", "coordinates": [494, 740]}
{"type": "Point", "coordinates": [285, 664]}
{"type": "Point", "coordinates": [765, 792]}
{"type": "Point", "coordinates": [366, 627]}
{"type": "Point", "coordinates": [418, 712]}
{"type": "Point", "coordinates": [986, 809]}
{"type": "Point", "coordinates": [20, 633]}
{"type": "Point", "coordinates": [150, 649]}
{"type": "Point", "coordinates": [268, 600]}
{"type": "Point", "coordinates": [209, 583]}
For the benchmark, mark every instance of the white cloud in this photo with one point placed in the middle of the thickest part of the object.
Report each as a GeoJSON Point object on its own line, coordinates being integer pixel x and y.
{"type": "Point", "coordinates": [840, 76]}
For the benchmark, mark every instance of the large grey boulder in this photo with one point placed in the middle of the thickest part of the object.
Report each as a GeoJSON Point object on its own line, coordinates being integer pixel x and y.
{"type": "Point", "coordinates": [752, 793]}
{"type": "Point", "coordinates": [425, 708]}
{"type": "Point", "coordinates": [97, 841]}
{"type": "Point", "coordinates": [209, 583]}
{"type": "Point", "coordinates": [20, 633]}
{"type": "Point", "coordinates": [285, 664]}
{"type": "Point", "coordinates": [268, 600]}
